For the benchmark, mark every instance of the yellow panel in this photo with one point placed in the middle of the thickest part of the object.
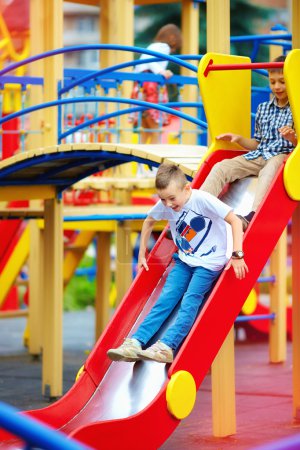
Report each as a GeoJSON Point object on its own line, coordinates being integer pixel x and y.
{"type": "Point", "coordinates": [27, 192]}
{"type": "Point", "coordinates": [291, 171]}
{"type": "Point", "coordinates": [79, 373]}
{"type": "Point", "coordinates": [108, 226]}
{"type": "Point", "coordinates": [91, 225]}
{"type": "Point", "coordinates": [251, 303]}
{"type": "Point", "coordinates": [226, 96]}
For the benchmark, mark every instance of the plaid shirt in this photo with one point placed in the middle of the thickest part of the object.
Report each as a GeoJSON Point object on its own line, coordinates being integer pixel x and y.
{"type": "Point", "coordinates": [269, 117]}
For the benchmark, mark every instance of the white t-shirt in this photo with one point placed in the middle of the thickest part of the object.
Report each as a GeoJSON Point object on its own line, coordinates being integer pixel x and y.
{"type": "Point", "coordinates": [154, 67]}
{"type": "Point", "coordinates": [198, 230]}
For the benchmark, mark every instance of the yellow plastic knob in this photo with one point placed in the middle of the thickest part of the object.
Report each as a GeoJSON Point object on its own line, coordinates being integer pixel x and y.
{"type": "Point", "coordinates": [181, 394]}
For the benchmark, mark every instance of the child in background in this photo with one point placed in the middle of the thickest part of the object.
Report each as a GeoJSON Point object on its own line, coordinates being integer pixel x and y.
{"type": "Point", "coordinates": [168, 40]}
{"type": "Point", "coordinates": [198, 225]}
{"type": "Point", "coordinates": [273, 140]}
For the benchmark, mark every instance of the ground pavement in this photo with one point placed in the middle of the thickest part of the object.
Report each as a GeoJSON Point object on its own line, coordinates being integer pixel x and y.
{"type": "Point", "coordinates": [263, 391]}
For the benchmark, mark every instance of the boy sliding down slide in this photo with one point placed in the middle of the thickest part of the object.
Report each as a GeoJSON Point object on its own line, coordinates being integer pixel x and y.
{"type": "Point", "coordinates": [198, 225]}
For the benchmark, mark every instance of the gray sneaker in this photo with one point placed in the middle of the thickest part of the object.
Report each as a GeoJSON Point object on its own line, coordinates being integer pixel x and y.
{"type": "Point", "coordinates": [128, 351]}
{"type": "Point", "coordinates": [158, 352]}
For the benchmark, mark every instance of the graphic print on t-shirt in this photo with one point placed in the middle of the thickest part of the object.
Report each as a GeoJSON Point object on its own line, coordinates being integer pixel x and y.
{"type": "Point", "coordinates": [191, 231]}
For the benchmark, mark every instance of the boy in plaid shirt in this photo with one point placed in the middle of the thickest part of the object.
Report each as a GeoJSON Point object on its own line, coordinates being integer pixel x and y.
{"type": "Point", "coordinates": [273, 140]}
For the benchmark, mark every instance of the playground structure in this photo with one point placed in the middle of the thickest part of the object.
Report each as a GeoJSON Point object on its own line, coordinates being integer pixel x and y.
{"type": "Point", "coordinates": [53, 216]}
{"type": "Point", "coordinates": [118, 327]}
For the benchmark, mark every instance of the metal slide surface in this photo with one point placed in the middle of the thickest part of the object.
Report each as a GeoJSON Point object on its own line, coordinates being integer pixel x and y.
{"type": "Point", "coordinates": [123, 405]}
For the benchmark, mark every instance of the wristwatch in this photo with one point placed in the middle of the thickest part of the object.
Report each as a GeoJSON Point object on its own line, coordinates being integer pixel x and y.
{"type": "Point", "coordinates": [239, 254]}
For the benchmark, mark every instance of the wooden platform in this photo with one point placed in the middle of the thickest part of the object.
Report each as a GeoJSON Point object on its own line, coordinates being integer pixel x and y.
{"type": "Point", "coordinates": [63, 165]}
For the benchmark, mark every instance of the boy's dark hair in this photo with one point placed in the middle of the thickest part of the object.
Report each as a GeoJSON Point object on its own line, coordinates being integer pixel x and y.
{"type": "Point", "coordinates": [280, 58]}
{"type": "Point", "coordinates": [167, 173]}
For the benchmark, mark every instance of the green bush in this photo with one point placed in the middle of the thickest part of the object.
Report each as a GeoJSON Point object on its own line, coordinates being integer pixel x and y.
{"type": "Point", "coordinates": [80, 292]}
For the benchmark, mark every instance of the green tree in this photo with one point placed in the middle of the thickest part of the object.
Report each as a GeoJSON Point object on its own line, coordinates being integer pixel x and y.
{"type": "Point", "coordinates": [244, 20]}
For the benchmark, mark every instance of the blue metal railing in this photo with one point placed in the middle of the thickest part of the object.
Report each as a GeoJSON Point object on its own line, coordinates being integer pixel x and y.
{"type": "Point", "coordinates": [144, 105]}
{"type": "Point", "coordinates": [119, 77]}
{"type": "Point", "coordinates": [75, 48]}
{"type": "Point", "coordinates": [283, 40]}
{"type": "Point", "coordinates": [108, 78]}
{"type": "Point", "coordinates": [34, 433]}
{"type": "Point", "coordinates": [252, 317]}
{"type": "Point", "coordinates": [129, 76]}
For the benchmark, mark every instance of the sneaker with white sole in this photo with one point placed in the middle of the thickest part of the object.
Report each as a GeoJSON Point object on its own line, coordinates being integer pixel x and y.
{"type": "Point", "coordinates": [128, 351]}
{"type": "Point", "coordinates": [158, 352]}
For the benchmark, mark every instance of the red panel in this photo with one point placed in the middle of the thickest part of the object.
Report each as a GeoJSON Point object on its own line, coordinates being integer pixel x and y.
{"type": "Point", "coordinates": [10, 232]}
{"type": "Point", "coordinates": [10, 142]}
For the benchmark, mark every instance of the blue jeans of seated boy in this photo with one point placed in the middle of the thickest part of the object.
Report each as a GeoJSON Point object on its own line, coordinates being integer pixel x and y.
{"type": "Point", "coordinates": [183, 282]}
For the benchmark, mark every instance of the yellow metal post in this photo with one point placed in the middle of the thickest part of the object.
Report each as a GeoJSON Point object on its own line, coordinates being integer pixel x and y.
{"type": "Point", "coordinates": [278, 297]}
{"type": "Point", "coordinates": [52, 374]}
{"type": "Point", "coordinates": [36, 288]}
{"type": "Point", "coordinates": [35, 140]}
{"type": "Point", "coordinates": [123, 259]}
{"type": "Point", "coordinates": [275, 50]}
{"type": "Point", "coordinates": [218, 26]}
{"type": "Point", "coordinates": [117, 27]}
{"type": "Point", "coordinates": [296, 311]}
{"type": "Point", "coordinates": [53, 66]}
{"type": "Point", "coordinates": [223, 389]}
{"type": "Point", "coordinates": [103, 281]}
{"type": "Point", "coordinates": [295, 23]}
{"type": "Point", "coordinates": [37, 45]}
{"type": "Point", "coordinates": [190, 46]}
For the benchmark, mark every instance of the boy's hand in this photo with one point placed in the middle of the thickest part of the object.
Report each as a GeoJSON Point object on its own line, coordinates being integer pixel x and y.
{"type": "Point", "coordinates": [288, 133]}
{"type": "Point", "coordinates": [142, 262]}
{"type": "Point", "coordinates": [166, 73]}
{"type": "Point", "coordinates": [239, 266]}
{"type": "Point", "coordinates": [230, 137]}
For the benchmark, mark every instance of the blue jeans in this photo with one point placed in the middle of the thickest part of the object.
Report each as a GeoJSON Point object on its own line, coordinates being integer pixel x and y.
{"type": "Point", "coordinates": [185, 283]}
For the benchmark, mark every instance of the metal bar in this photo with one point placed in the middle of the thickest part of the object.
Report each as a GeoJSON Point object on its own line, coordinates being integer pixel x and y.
{"type": "Point", "coordinates": [217, 67]}
{"type": "Point", "coordinates": [270, 316]}
{"type": "Point", "coordinates": [129, 101]}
